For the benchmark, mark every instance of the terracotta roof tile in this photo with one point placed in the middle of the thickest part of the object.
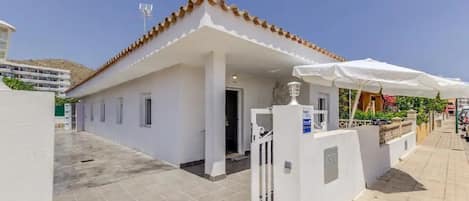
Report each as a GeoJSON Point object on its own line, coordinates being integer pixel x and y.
{"type": "Point", "coordinates": [188, 8]}
{"type": "Point", "coordinates": [181, 12]}
{"type": "Point", "coordinates": [281, 32]}
{"type": "Point", "coordinates": [212, 2]}
{"type": "Point", "coordinates": [264, 24]}
{"type": "Point", "coordinates": [273, 28]}
{"type": "Point", "coordinates": [246, 16]}
{"type": "Point", "coordinates": [256, 20]}
{"type": "Point", "coordinates": [235, 10]}
{"type": "Point", "coordinates": [224, 6]}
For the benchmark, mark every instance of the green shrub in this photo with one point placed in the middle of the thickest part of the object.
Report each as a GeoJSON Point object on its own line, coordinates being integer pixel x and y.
{"type": "Point", "coordinates": [16, 84]}
{"type": "Point", "coordinates": [360, 115]}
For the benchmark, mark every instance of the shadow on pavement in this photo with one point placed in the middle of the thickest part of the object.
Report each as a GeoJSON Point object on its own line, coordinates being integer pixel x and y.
{"type": "Point", "coordinates": [397, 181]}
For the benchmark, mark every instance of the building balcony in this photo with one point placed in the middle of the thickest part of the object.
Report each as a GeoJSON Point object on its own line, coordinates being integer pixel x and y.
{"type": "Point", "coordinates": [65, 76]}
{"type": "Point", "coordinates": [49, 89]}
{"type": "Point", "coordinates": [21, 72]}
{"type": "Point", "coordinates": [36, 81]}
{"type": "Point", "coordinates": [5, 70]}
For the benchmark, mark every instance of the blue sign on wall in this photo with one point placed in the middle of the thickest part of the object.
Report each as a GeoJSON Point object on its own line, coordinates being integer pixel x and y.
{"type": "Point", "coordinates": [307, 121]}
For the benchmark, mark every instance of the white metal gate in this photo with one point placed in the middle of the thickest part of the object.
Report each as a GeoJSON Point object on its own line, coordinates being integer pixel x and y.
{"type": "Point", "coordinates": [262, 182]}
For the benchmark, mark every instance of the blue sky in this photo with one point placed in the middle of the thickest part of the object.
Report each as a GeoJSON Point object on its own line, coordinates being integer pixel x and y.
{"type": "Point", "coordinates": [429, 35]}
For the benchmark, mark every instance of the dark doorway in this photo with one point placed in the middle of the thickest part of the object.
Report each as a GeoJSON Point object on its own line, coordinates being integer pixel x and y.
{"type": "Point", "coordinates": [231, 124]}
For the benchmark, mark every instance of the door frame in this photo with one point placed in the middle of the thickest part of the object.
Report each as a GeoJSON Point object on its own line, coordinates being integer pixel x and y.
{"type": "Point", "coordinates": [240, 121]}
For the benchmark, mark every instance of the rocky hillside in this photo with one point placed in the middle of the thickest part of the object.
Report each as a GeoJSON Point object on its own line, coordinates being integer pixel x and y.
{"type": "Point", "coordinates": [78, 71]}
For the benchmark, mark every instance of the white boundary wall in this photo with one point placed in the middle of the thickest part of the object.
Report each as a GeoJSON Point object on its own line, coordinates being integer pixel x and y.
{"type": "Point", "coordinates": [378, 159]}
{"type": "Point", "coordinates": [334, 165]}
{"type": "Point", "coordinates": [305, 154]}
{"type": "Point", "coordinates": [350, 182]}
{"type": "Point", "coordinates": [26, 145]}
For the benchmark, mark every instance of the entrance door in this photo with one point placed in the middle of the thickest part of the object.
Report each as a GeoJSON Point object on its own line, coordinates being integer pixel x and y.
{"type": "Point", "coordinates": [231, 124]}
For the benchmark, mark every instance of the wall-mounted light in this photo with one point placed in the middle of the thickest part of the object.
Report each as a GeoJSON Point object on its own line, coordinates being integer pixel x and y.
{"type": "Point", "coordinates": [234, 77]}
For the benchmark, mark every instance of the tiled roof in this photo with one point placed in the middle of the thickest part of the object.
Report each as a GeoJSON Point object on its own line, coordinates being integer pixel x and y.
{"type": "Point", "coordinates": [188, 8]}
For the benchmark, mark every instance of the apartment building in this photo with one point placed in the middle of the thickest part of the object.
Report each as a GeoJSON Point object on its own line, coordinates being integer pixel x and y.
{"type": "Point", "coordinates": [42, 78]}
{"type": "Point", "coordinates": [5, 32]}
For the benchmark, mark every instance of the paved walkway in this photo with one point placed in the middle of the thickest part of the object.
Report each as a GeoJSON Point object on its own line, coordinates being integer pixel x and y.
{"type": "Point", "coordinates": [86, 160]}
{"type": "Point", "coordinates": [437, 171]}
{"type": "Point", "coordinates": [90, 168]}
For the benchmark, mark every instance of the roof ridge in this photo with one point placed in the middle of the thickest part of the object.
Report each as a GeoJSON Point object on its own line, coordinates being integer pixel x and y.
{"type": "Point", "coordinates": [188, 8]}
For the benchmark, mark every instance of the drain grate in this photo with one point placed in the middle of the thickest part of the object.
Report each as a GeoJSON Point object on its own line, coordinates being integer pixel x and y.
{"type": "Point", "coordinates": [86, 161]}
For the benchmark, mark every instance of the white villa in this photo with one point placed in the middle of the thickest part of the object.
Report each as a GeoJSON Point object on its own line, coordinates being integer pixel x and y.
{"type": "Point", "coordinates": [183, 91]}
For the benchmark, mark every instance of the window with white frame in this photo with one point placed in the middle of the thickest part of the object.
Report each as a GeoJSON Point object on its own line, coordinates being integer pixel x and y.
{"type": "Point", "coordinates": [323, 105]}
{"type": "Point", "coordinates": [145, 111]}
{"type": "Point", "coordinates": [102, 112]}
{"type": "Point", "coordinates": [91, 112]}
{"type": "Point", "coordinates": [120, 110]}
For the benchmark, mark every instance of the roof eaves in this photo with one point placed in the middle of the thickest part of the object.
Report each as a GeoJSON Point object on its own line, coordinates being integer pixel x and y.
{"type": "Point", "coordinates": [188, 8]}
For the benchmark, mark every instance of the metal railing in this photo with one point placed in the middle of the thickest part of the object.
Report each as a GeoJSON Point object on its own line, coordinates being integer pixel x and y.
{"type": "Point", "coordinates": [344, 123]}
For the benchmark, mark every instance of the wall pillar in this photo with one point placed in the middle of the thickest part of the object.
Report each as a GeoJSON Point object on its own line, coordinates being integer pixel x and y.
{"type": "Point", "coordinates": [215, 68]}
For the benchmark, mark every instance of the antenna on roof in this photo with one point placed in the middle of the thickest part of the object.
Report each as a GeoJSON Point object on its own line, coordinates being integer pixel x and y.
{"type": "Point", "coordinates": [146, 10]}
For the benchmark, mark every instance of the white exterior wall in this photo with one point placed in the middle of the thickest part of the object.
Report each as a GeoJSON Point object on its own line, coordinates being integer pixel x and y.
{"type": "Point", "coordinates": [80, 117]}
{"type": "Point", "coordinates": [375, 158]}
{"type": "Point", "coordinates": [378, 159]}
{"type": "Point", "coordinates": [178, 109]}
{"type": "Point", "coordinates": [256, 93]}
{"type": "Point", "coordinates": [332, 93]}
{"type": "Point", "coordinates": [162, 140]}
{"type": "Point", "coordinates": [305, 181]}
{"type": "Point", "coordinates": [26, 145]}
{"type": "Point", "coordinates": [192, 111]}
{"type": "Point", "coordinates": [350, 182]}
{"type": "Point", "coordinates": [398, 149]}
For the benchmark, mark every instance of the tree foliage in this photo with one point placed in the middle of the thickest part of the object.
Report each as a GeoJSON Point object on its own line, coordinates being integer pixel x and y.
{"type": "Point", "coordinates": [344, 103]}
{"type": "Point", "coordinates": [423, 106]}
{"type": "Point", "coordinates": [17, 84]}
{"type": "Point", "coordinates": [361, 115]}
{"type": "Point", "coordinates": [62, 101]}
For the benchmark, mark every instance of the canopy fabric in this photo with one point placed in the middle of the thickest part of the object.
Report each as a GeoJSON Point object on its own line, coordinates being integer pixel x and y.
{"type": "Point", "coordinates": [375, 76]}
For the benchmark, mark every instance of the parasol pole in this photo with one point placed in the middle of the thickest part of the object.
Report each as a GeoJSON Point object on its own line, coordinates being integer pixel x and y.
{"type": "Point", "coordinates": [349, 103]}
{"type": "Point", "coordinates": [355, 105]}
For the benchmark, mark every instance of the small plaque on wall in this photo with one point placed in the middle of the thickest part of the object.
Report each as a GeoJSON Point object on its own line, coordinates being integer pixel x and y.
{"type": "Point", "coordinates": [331, 164]}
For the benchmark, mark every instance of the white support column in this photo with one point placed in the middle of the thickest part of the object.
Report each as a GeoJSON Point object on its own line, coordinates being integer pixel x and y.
{"type": "Point", "coordinates": [215, 68]}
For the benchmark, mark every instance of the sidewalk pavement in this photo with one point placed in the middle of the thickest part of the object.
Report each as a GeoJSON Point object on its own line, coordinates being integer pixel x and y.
{"type": "Point", "coordinates": [438, 170]}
